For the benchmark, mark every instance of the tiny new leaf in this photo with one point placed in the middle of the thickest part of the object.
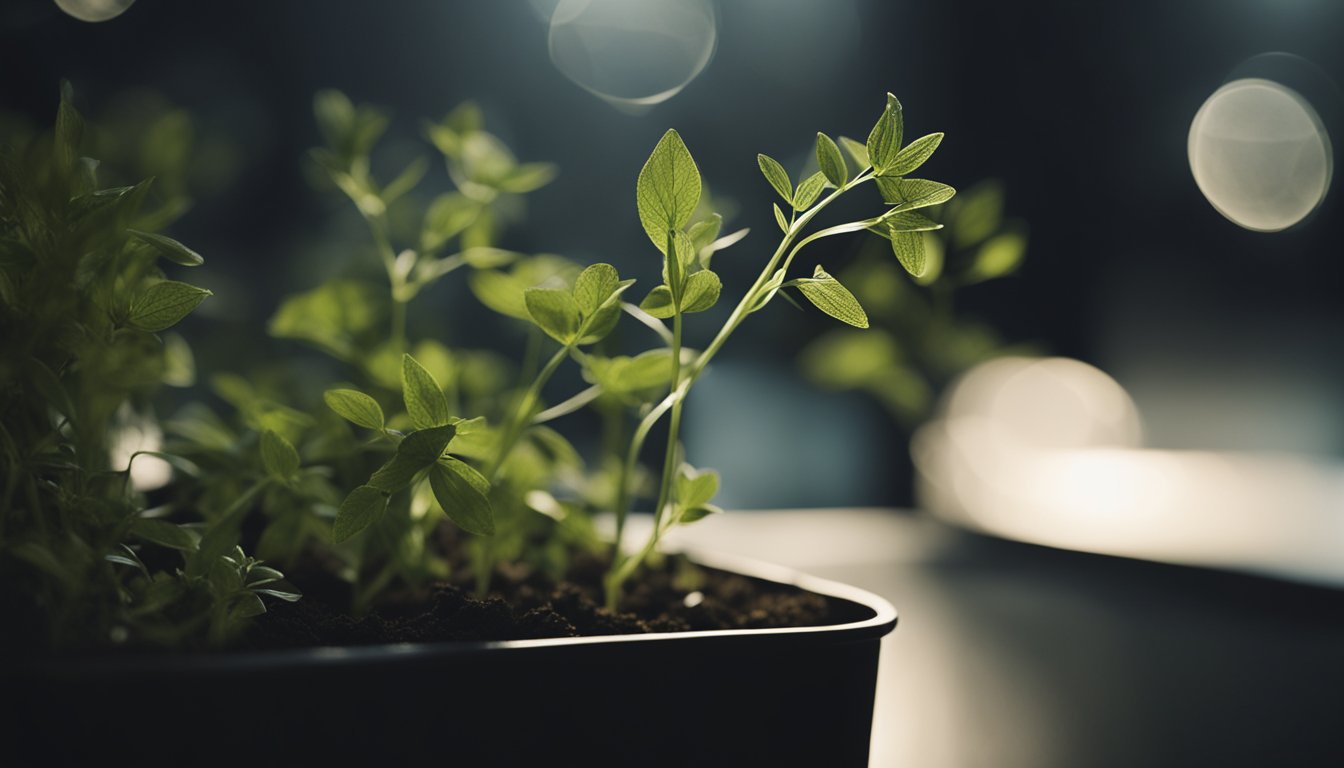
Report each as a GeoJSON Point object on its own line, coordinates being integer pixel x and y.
{"type": "Point", "coordinates": [830, 160]}
{"type": "Point", "coordinates": [884, 141]}
{"type": "Point", "coordinates": [668, 189]}
{"type": "Point", "coordinates": [164, 303]}
{"type": "Point", "coordinates": [780, 219]}
{"type": "Point", "coordinates": [808, 191]}
{"type": "Point", "coordinates": [170, 248]}
{"type": "Point", "coordinates": [425, 401]}
{"type": "Point", "coordinates": [417, 451]}
{"type": "Point", "coordinates": [776, 175]}
{"type": "Point", "coordinates": [827, 294]}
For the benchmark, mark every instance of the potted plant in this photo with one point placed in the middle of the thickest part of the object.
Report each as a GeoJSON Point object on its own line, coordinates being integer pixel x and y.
{"type": "Point", "coordinates": [421, 475]}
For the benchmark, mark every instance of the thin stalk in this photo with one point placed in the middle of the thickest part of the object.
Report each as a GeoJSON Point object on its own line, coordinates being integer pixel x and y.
{"type": "Point", "coordinates": [622, 569]}
{"type": "Point", "coordinates": [523, 414]}
{"type": "Point", "coordinates": [674, 427]}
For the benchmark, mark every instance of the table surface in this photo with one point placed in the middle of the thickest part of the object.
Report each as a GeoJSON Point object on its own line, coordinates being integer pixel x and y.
{"type": "Point", "coordinates": [1008, 654]}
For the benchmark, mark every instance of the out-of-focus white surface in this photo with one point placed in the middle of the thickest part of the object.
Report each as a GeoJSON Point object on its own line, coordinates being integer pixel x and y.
{"type": "Point", "coordinates": [1047, 451]}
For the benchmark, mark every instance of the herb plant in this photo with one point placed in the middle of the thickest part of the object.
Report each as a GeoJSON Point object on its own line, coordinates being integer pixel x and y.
{"type": "Point", "coordinates": [84, 303]}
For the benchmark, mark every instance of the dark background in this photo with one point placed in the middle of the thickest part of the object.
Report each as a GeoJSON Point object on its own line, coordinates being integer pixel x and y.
{"type": "Point", "coordinates": [1228, 338]}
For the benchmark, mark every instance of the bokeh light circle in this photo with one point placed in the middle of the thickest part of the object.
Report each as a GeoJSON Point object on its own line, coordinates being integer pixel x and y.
{"type": "Point", "coordinates": [633, 53]}
{"type": "Point", "coordinates": [94, 10]}
{"type": "Point", "coordinates": [1260, 154]}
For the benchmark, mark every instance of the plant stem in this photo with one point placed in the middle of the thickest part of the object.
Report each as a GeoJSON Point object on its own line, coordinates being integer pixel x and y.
{"type": "Point", "coordinates": [518, 423]}
{"type": "Point", "coordinates": [622, 569]}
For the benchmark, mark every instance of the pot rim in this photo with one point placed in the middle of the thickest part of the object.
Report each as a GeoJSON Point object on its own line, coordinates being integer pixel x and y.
{"type": "Point", "coordinates": [881, 623]}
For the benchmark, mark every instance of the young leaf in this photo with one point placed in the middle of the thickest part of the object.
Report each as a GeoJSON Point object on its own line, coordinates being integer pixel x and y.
{"type": "Point", "coordinates": [827, 294]}
{"type": "Point", "coordinates": [908, 221]}
{"type": "Point", "coordinates": [698, 513]}
{"type": "Point", "coordinates": [703, 233]}
{"type": "Point", "coordinates": [554, 311]}
{"type": "Point", "coordinates": [830, 160]}
{"type": "Point", "coordinates": [914, 155]}
{"type": "Point", "coordinates": [659, 303]}
{"type": "Point", "coordinates": [458, 489]}
{"type": "Point", "coordinates": [164, 304]}
{"type": "Point", "coordinates": [776, 175]}
{"type": "Point", "coordinates": [356, 407]}
{"type": "Point", "coordinates": [999, 256]}
{"type": "Point", "coordinates": [909, 250]}
{"type": "Point", "coordinates": [856, 150]}
{"type": "Point", "coordinates": [170, 248]}
{"type": "Point", "coordinates": [696, 487]}
{"type": "Point", "coordinates": [884, 141]}
{"type": "Point", "coordinates": [163, 533]}
{"type": "Point", "coordinates": [278, 456]}
{"type": "Point", "coordinates": [360, 509]}
{"type": "Point", "coordinates": [809, 190]}
{"type": "Point", "coordinates": [416, 452]}
{"type": "Point", "coordinates": [933, 261]}
{"type": "Point", "coordinates": [425, 401]}
{"type": "Point", "coordinates": [594, 286]}
{"type": "Point", "coordinates": [911, 194]}
{"type": "Point", "coordinates": [702, 292]}
{"type": "Point", "coordinates": [668, 189]}
{"type": "Point", "coordinates": [780, 219]}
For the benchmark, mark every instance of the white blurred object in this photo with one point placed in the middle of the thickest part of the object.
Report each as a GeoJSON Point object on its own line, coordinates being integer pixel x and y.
{"type": "Point", "coordinates": [1047, 451]}
{"type": "Point", "coordinates": [94, 10]}
{"type": "Point", "coordinates": [134, 434]}
{"type": "Point", "coordinates": [1260, 154]}
{"type": "Point", "coordinates": [633, 53]}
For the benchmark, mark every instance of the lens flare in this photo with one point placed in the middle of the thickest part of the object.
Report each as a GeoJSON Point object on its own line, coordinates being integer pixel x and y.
{"type": "Point", "coordinates": [94, 10]}
{"type": "Point", "coordinates": [1260, 154]}
{"type": "Point", "coordinates": [633, 53]}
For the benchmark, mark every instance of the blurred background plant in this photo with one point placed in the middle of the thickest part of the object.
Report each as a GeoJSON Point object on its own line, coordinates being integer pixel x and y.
{"type": "Point", "coordinates": [917, 342]}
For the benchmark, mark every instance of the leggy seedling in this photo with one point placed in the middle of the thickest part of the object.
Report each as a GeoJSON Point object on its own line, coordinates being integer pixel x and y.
{"type": "Point", "coordinates": [668, 191]}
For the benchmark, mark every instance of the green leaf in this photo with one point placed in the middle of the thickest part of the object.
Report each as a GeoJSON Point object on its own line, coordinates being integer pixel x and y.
{"type": "Point", "coordinates": [594, 286]}
{"type": "Point", "coordinates": [163, 533]}
{"type": "Point", "coordinates": [830, 160]}
{"type": "Point", "coordinates": [914, 155]}
{"type": "Point", "coordinates": [170, 248]}
{"type": "Point", "coordinates": [703, 233]}
{"type": "Point", "coordinates": [463, 494]}
{"type": "Point", "coordinates": [417, 451]}
{"type": "Point", "coordinates": [909, 250]}
{"type": "Point", "coordinates": [527, 177]}
{"type": "Point", "coordinates": [278, 456]}
{"type": "Point", "coordinates": [856, 150]}
{"type": "Point", "coordinates": [780, 219]}
{"type": "Point", "coordinates": [333, 316]}
{"type": "Point", "coordinates": [910, 194]}
{"type": "Point", "coordinates": [406, 180]}
{"type": "Point", "coordinates": [425, 401]}
{"type": "Point", "coordinates": [702, 292]}
{"type": "Point", "coordinates": [777, 176]}
{"type": "Point", "coordinates": [554, 311]}
{"type": "Point", "coordinates": [809, 190]}
{"type": "Point", "coordinates": [827, 294]}
{"type": "Point", "coordinates": [668, 189]}
{"type": "Point", "coordinates": [977, 214]}
{"type": "Point", "coordinates": [360, 509]}
{"type": "Point", "coordinates": [695, 514]}
{"type": "Point", "coordinates": [659, 303]}
{"type": "Point", "coordinates": [999, 256]}
{"type": "Point", "coordinates": [164, 303]}
{"type": "Point", "coordinates": [356, 407]}
{"type": "Point", "coordinates": [908, 221]}
{"type": "Point", "coordinates": [884, 141]}
{"type": "Point", "coordinates": [696, 487]}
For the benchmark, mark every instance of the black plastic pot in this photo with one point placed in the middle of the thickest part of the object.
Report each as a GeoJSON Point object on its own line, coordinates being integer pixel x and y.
{"type": "Point", "coordinates": [773, 697]}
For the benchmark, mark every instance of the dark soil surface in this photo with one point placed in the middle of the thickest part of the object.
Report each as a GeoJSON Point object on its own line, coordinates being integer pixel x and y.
{"type": "Point", "coordinates": [675, 597]}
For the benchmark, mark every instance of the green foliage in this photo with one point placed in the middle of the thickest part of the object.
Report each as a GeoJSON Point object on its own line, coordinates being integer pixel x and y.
{"type": "Point", "coordinates": [918, 344]}
{"type": "Point", "coordinates": [827, 294]}
{"type": "Point", "coordinates": [668, 189]}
